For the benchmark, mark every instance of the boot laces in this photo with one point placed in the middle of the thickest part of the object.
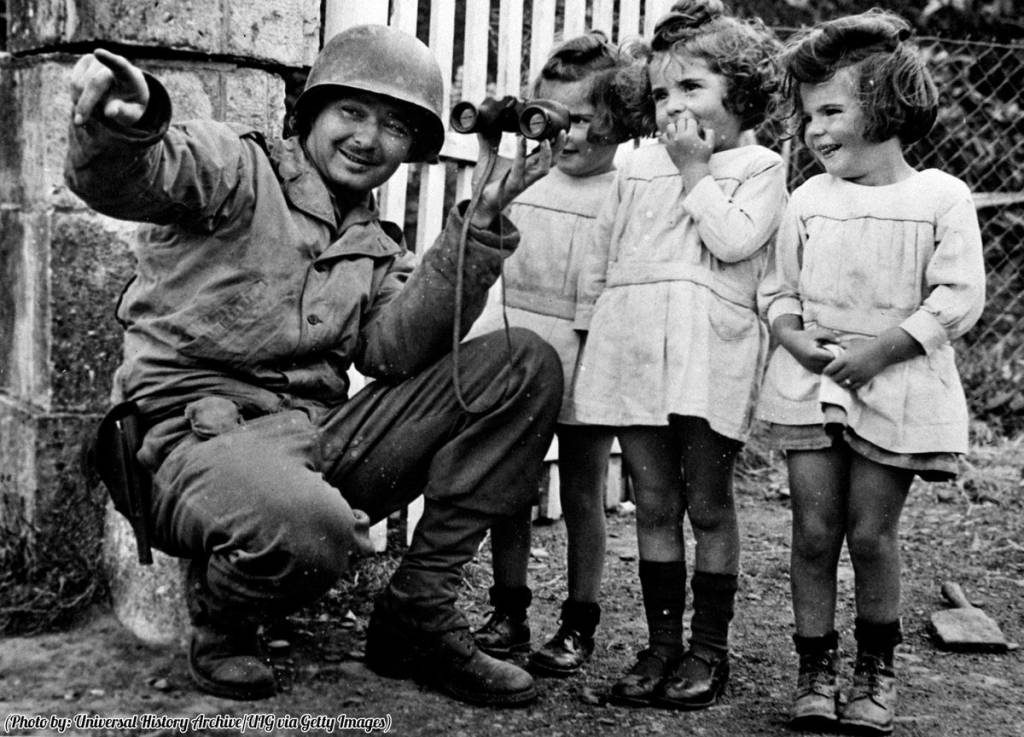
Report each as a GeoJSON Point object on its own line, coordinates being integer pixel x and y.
{"type": "Point", "coordinates": [869, 676]}
{"type": "Point", "coordinates": [817, 672]}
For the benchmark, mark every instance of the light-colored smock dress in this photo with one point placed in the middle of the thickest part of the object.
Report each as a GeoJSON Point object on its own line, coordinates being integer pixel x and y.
{"type": "Point", "coordinates": [859, 260]}
{"type": "Point", "coordinates": [555, 218]}
{"type": "Point", "coordinates": [668, 294]}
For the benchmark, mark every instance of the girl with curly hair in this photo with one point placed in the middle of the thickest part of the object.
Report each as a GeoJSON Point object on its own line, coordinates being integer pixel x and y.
{"type": "Point", "coordinates": [878, 268]}
{"type": "Point", "coordinates": [675, 349]}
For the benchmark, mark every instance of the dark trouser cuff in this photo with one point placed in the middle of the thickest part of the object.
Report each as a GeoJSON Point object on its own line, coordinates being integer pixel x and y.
{"type": "Point", "coordinates": [424, 589]}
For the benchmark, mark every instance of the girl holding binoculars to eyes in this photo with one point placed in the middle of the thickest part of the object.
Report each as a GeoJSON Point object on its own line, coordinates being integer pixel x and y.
{"type": "Point", "coordinates": [555, 217]}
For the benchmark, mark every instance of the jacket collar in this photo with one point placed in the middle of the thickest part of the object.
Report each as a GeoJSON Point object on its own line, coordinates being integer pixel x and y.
{"type": "Point", "coordinates": [306, 191]}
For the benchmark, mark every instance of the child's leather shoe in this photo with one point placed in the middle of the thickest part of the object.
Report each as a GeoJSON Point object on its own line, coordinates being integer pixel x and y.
{"type": "Point", "coordinates": [640, 683]}
{"type": "Point", "coordinates": [502, 636]}
{"type": "Point", "coordinates": [564, 654]}
{"type": "Point", "coordinates": [696, 682]}
{"type": "Point", "coordinates": [817, 691]}
{"type": "Point", "coordinates": [871, 705]}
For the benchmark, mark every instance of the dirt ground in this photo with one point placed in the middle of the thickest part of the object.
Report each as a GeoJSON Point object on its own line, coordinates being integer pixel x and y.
{"type": "Point", "coordinates": [972, 533]}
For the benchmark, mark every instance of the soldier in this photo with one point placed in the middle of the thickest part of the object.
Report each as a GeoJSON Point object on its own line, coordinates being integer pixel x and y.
{"type": "Point", "coordinates": [263, 273]}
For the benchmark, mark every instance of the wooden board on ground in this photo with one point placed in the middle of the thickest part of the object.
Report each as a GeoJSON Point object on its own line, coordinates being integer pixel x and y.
{"type": "Point", "coordinates": [965, 627]}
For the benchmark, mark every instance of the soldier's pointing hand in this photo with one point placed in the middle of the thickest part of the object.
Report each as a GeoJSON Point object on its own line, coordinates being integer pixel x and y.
{"type": "Point", "coordinates": [105, 85]}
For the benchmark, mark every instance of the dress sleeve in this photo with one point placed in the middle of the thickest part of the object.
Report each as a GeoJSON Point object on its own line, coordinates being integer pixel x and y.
{"type": "Point", "coordinates": [734, 228]}
{"type": "Point", "coordinates": [779, 292]}
{"type": "Point", "coordinates": [594, 265]}
{"type": "Point", "coordinates": [954, 278]}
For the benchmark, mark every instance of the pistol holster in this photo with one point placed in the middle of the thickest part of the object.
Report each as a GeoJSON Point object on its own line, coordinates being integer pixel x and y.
{"type": "Point", "coordinates": [111, 455]}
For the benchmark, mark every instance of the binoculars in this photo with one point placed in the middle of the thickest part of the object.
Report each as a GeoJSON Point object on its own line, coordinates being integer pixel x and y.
{"type": "Point", "coordinates": [537, 120]}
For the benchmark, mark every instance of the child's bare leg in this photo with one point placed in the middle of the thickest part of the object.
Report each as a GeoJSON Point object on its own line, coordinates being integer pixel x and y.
{"type": "Point", "coordinates": [877, 495]}
{"type": "Point", "coordinates": [708, 463]}
{"type": "Point", "coordinates": [510, 549]}
{"type": "Point", "coordinates": [818, 482]}
{"type": "Point", "coordinates": [652, 454]}
{"type": "Point", "coordinates": [582, 464]}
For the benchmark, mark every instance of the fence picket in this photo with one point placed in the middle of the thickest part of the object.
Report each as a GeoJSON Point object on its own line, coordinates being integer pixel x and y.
{"type": "Point", "coordinates": [629, 20]}
{"type": "Point", "coordinates": [541, 34]}
{"type": "Point", "coordinates": [341, 14]}
{"type": "Point", "coordinates": [603, 18]}
{"type": "Point", "coordinates": [474, 62]}
{"type": "Point", "coordinates": [510, 47]}
{"type": "Point", "coordinates": [575, 18]}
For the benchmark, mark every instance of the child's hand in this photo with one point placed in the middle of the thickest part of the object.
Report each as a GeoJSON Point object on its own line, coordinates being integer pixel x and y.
{"type": "Point", "coordinates": [688, 144]}
{"type": "Point", "coordinates": [865, 358]}
{"type": "Point", "coordinates": [808, 347]}
{"type": "Point", "coordinates": [858, 364]}
{"type": "Point", "coordinates": [510, 178]}
{"type": "Point", "coordinates": [107, 85]}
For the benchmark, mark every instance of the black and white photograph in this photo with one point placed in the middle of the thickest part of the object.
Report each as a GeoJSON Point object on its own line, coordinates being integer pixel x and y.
{"type": "Point", "coordinates": [512, 367]}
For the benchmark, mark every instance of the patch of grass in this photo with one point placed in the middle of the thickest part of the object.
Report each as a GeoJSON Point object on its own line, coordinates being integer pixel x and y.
{"type": "Point", "coordinates": [48, 571]}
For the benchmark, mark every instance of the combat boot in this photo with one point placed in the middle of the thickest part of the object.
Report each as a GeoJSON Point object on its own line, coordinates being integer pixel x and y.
{"type": "Point", "coordinates": [448, 661]}
{"type": "Point", "coordinates": [224, 653]}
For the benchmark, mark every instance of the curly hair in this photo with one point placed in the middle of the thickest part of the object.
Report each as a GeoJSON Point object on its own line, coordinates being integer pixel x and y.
{"type": "Point", "coordinates": [593, 58]}
{"type": "Point", "coordinates": [894, 88]}
{"type": "Point", "coordinates": [744, 52]}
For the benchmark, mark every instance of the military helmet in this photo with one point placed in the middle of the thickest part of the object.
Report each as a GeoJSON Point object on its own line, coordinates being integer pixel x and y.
{"type": "Point", "coordinates": [385, 61]}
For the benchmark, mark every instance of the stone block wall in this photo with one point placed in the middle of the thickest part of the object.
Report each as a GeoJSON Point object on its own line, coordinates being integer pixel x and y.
{"type": "Point", "coordinates": [285, 32]}
{"type": "Point", "coordinates": [63, 266]}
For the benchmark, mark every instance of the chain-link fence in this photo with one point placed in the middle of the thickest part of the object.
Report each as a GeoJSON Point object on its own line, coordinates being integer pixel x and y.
{"type": "Point", "coordinates": [979, 137]}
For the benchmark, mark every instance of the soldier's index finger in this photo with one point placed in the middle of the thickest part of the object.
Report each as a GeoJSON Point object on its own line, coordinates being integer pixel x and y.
{"type": "Point", "coordinates": [120, 66]}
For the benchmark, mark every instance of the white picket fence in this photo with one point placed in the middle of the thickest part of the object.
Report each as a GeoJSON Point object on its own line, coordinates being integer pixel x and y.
{"type": "Point", "coordinates": [547, 24]}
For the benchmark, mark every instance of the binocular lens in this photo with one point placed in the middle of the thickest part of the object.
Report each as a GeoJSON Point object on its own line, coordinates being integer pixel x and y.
{"type": "Point", "coordinates": [534, 124]}
{"type": "Point", "coordinates": [464, 117]}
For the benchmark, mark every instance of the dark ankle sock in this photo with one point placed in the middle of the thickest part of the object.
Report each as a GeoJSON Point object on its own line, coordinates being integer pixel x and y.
{"type": "Point", "coordinates": [714, 595]}
{"type": "Point", "coordinates": [581, 616]}
{"type": "Point", "coordinates": [878, 638]}
{"type": "Point", "coordinates": [664, 589]}
{"type": "Point", "coordinates": [512, 600]}
{"type": "Point", "coordinates": [816, 645]}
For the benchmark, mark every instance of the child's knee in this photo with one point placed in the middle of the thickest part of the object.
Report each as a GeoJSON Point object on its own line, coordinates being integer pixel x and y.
{"type": "Point", "coordinates": [658, 518]}
{"type": "Point", "coordinates": [711, 518]}
{"type": "Point", "coordinates": [815, 542]}
{"type": "Point", "coordinates": [868, 542]}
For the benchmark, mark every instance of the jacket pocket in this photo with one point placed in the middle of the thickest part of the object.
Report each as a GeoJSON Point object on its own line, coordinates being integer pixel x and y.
{"type": "Point", "coordinates": [230, 328]}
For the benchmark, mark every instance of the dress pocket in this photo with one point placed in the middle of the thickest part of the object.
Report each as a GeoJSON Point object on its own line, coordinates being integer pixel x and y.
{"type": "Point", "coordinates": [730, 321]}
